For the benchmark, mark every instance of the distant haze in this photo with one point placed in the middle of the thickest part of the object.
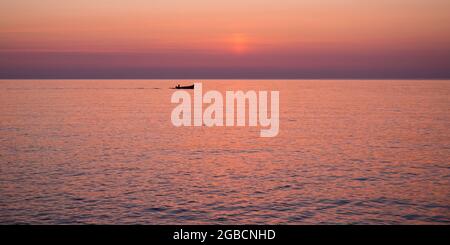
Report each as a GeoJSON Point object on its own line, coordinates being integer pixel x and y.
{"type": "Point", "coordinates": [225, 39]}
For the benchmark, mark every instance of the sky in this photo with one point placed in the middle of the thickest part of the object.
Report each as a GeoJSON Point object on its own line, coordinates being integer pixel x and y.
{"type": "Point", "coordinates": [224, 39]}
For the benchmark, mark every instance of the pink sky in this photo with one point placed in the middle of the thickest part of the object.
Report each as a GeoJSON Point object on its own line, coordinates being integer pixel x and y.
{"type": "Point", "coordinates": [241, 39]}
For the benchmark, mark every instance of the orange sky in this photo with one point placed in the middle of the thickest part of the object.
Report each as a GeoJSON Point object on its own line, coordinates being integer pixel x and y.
{"type": "Point", "coordinates": [296, 37]}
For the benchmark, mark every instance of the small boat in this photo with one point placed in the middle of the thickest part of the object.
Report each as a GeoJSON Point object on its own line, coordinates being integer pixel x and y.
{"type": "Point", "coordinates": [184, 87]}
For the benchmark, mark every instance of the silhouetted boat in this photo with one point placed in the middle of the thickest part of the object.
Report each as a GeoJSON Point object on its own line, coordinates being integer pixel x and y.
{"type": "Point", "coordinates": [184, 87]}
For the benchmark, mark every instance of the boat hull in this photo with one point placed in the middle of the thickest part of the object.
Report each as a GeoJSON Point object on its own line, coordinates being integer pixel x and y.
{"type": "Point", "coordinates": [185, 87]}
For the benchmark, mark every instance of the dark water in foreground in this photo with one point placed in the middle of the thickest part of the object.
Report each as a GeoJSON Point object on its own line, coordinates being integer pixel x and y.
{"type": "Point", "coordinates": [100, 151]}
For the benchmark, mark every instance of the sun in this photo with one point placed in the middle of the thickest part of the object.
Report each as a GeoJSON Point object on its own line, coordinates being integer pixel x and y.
{"type": "Point", "coordinates": [239, 43]}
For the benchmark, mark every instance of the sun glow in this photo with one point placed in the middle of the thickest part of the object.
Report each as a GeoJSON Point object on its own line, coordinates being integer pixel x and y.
{"type": "Point", "coordinates": [239, 43]}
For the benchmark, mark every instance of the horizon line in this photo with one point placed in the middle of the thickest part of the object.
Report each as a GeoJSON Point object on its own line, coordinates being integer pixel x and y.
{"type": "Point", "coordinates": [225, 78]}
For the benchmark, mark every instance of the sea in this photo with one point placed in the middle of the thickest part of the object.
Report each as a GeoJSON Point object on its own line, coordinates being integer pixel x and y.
{"type": "Point", "coordinates": [106, 152]}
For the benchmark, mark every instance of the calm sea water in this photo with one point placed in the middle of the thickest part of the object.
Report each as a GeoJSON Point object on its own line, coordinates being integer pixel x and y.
{"type": "Point", "coordinates": [105, 151]}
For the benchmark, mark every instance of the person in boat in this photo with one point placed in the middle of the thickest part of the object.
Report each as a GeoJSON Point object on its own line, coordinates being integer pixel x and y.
{"type": "Point", "coordinates": [178, 86]}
